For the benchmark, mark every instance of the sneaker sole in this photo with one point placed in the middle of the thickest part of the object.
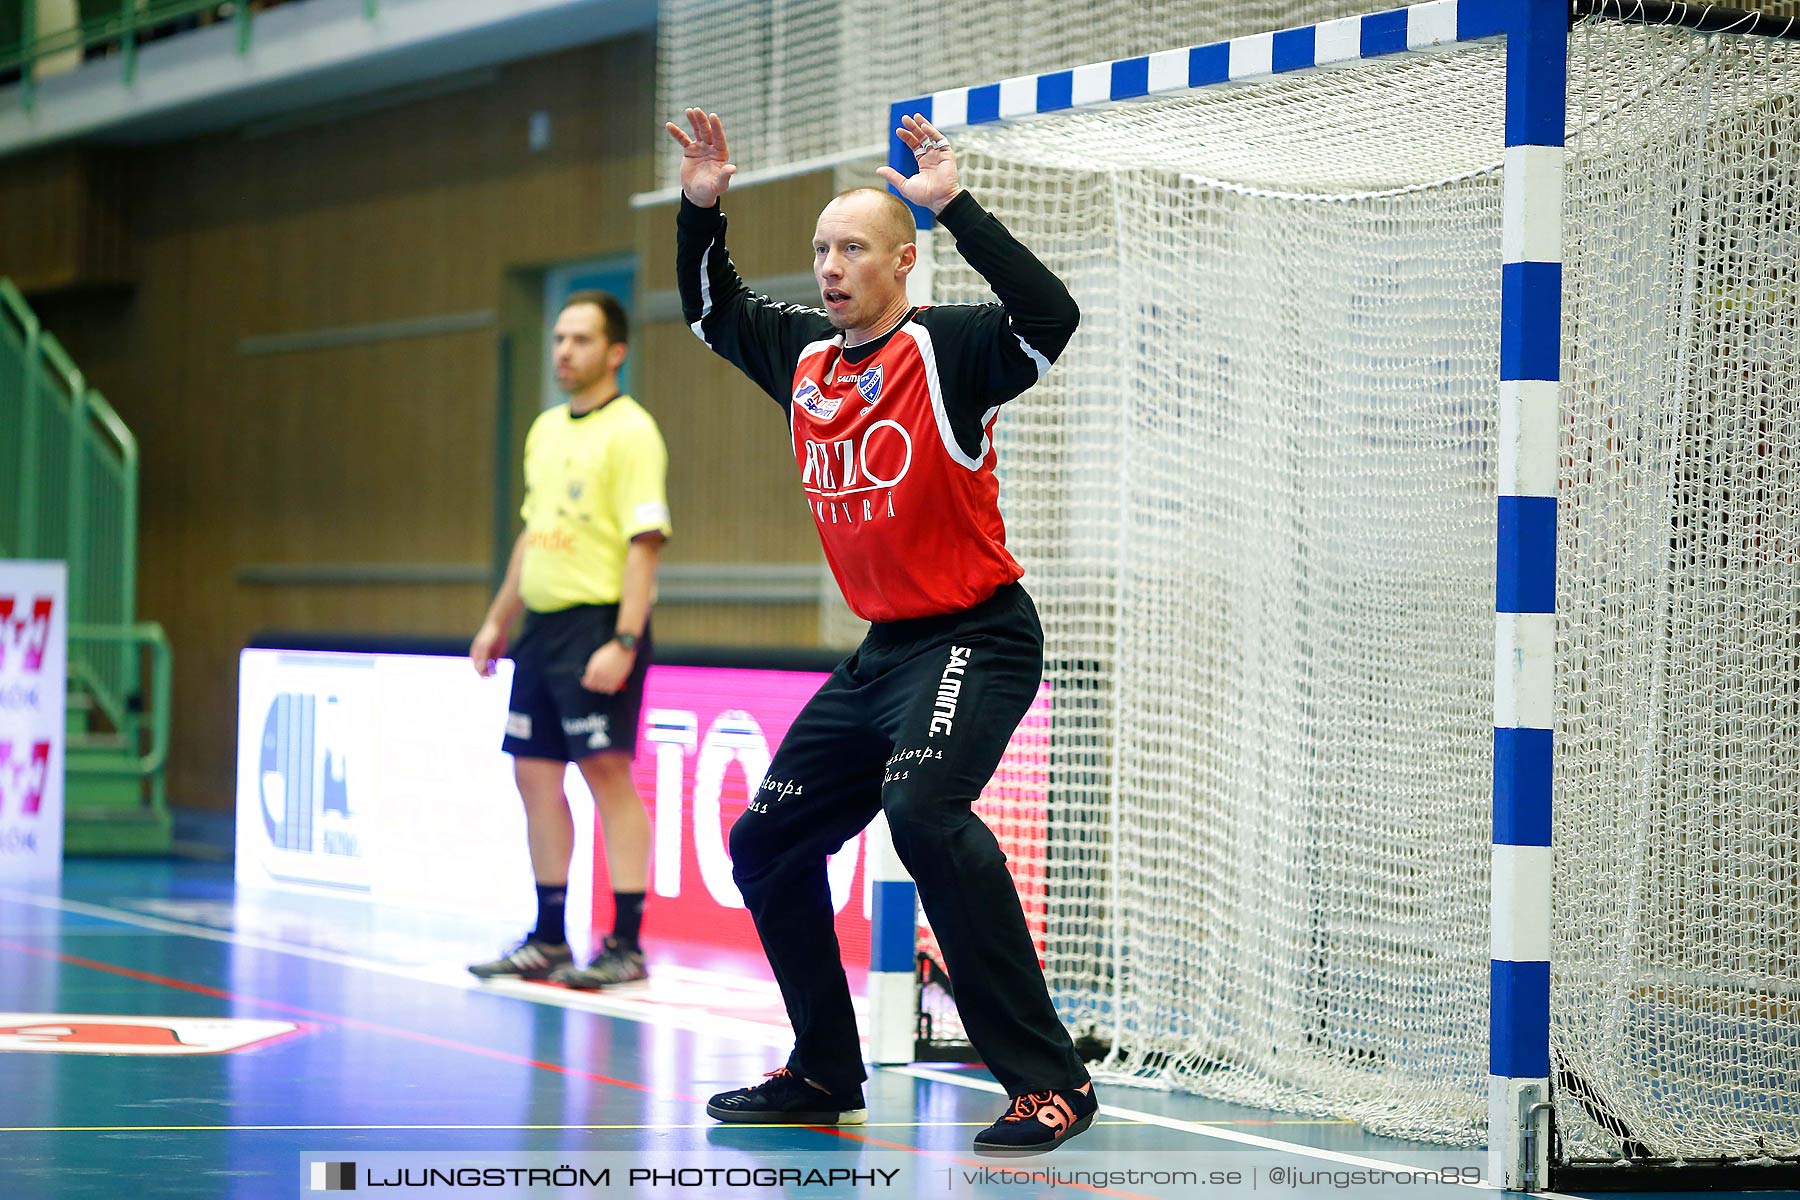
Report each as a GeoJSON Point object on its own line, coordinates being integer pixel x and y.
{"type": "Point", "coordinates": [848, 1116]}
{"type": "Point", "coordinates": [1003, 1150]}
{"type": "Point", "coordinates": [528, 977]}
{"type": "Point", "coordinates": [585, 986]}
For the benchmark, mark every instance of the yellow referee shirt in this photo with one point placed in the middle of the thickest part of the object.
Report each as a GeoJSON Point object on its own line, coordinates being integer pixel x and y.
{"type": "Point", "coordinates": [592, 483]}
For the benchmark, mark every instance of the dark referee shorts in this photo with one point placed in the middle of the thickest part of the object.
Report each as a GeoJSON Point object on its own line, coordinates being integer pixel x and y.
{"type": "Point", "coordinates": [551, 715]}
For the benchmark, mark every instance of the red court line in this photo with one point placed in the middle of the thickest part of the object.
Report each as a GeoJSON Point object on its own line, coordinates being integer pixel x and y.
{"type": "Point", "coordinates": [431, 1040]}
{"type": "Point", "coordinates": [312, 1014]}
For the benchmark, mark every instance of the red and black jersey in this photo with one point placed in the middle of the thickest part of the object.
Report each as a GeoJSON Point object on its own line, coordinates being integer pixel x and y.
{"type": "Point", "coordinates": [893, 438]}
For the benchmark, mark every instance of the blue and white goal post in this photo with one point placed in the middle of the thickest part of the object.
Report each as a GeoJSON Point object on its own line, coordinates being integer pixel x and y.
{"type": "Point", "coordinates": [1524, 409]}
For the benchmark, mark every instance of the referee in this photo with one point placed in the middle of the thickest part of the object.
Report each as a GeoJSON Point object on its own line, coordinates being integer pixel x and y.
{"type": "Point", "coordinates": [583, 572]}
{"type": "Point", "coordinates": [890, 410]}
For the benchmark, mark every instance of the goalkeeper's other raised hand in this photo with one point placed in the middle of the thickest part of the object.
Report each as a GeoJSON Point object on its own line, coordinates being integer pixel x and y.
{"type": "Point", "coordinates": [936, 184]}
{"type": "Point", "coordinates": [706, 167]}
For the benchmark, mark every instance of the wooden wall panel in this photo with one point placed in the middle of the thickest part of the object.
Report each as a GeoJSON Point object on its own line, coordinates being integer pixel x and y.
{"type": "Point", "coordinates": [62, 221]}
{"type": "Point", "coordinates": [378, 453]}
{"type": "Point", "coordinates": [738, 624]}
{"type": "Point", "coordinates": [733, 484]}
{"type": "Point", "coordinates": [770, 229]}
{"type": "Point", "coordinates": [733, 487]}
{"type": "Point", "coordinates": [384, 453]}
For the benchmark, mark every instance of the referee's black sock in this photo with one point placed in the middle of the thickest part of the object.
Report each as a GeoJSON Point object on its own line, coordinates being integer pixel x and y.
{"type": "Point", "coordinates": [550, 926]}
{"type": "Point", "coordinates": [628, 918]}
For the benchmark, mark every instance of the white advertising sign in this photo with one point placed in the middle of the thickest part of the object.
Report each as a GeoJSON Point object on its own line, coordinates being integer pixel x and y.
{"type": "Point", "coordinates": [34, 631]}
{"type": "Point", "coordinates": [379, 776]}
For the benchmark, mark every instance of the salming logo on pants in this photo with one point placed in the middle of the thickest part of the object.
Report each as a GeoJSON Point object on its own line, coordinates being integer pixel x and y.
{"type": "Point", "coordinates": [949, 691]}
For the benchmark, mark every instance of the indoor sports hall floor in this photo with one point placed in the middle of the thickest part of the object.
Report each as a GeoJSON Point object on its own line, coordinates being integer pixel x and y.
{"type": "Point", "coordinates": [368, 1036]}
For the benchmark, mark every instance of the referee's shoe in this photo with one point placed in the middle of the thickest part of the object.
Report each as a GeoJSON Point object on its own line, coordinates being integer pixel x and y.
{"type": "Point", "coordinates": [616, 963]}
{"type": "Point", "coordinates": [528, 960]}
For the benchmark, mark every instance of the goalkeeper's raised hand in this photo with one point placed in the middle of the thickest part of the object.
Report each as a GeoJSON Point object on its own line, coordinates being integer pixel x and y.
{"type": "Point", "coordinates": [706, 167]}
{"type": "Point", "coordinates": [935, 185]}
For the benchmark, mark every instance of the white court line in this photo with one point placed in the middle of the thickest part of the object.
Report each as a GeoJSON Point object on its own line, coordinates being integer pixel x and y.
{"type": "Point", "coordinates": [1218, 1132]}
{"type": "Point", "coordinates": [708, 1023]}
{"type": "Point", "coordinates": [707, 1124]}
{"type": "Point", "coordinates": [693, 1021]}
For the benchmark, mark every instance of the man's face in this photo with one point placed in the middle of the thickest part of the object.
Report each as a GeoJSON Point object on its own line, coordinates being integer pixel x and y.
{"type": "Point", "coordinates": [583, 356]}
{"type": "Point", "coordinates": [856, 263]}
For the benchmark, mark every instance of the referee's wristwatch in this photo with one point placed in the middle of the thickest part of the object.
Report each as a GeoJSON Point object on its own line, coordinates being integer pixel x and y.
{"type": "Point", "coordinates": [627, 640]}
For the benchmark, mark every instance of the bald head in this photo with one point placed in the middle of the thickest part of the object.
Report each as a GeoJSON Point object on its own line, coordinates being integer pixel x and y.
{"type": "Point", "coordinates": [880, 211]}
{"type": "Point", "coordinates": [864, 246]}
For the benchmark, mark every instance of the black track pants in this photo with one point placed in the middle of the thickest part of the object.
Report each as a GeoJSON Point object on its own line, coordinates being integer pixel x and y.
{"type": "Point", "coordinates": [912, 724]}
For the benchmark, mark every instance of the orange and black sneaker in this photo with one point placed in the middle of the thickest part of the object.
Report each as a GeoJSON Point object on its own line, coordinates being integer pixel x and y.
{"type": "Point", "coordinates": [1039, 1121]}
{"type": "Point", "coordinates": [785, 1098]}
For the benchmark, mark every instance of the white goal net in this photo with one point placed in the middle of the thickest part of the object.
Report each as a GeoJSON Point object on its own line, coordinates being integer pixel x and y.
{"type": "Point", "coordinates": [803, 79]}
{"type": "Point", "coordinates": [1256, 502]}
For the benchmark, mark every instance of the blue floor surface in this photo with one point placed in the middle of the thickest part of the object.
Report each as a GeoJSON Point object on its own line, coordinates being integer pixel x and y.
{"type": "Point", "coordinates": [368, 1039]}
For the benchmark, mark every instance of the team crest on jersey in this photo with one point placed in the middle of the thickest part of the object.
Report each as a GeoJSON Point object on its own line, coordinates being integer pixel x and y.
{"type": "Point", "coordinates": [809, 397]}
{"type": "Point", "coordinates": [869, 384]}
